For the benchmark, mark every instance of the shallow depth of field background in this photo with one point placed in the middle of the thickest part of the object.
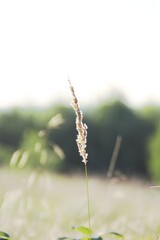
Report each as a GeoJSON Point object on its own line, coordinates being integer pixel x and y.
{"type": "Point", "coordinates": [110, 50]}
{"type": "Point", "coordinates": [36, 205]}
{"type": "Point", "coordinates": [42, 178]}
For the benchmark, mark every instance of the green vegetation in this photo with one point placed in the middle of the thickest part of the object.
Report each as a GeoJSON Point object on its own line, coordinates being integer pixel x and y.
{"type": "Point", "coordinates": [29, 137]}
{"type": "Point", "coordinates": [154, 164]}
{"type": "Point", "coordinates": [35, 204]}
{"type": "Point", "coordinates": [19, 129]}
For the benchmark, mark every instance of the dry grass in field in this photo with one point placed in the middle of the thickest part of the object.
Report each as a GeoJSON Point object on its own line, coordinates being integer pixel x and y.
{"type": "Point", "coordinates": [38, 205]}
{"type": "Point", "coordinates": [43, 206]}
{"type": "Point", "coordinates": [80, 126]}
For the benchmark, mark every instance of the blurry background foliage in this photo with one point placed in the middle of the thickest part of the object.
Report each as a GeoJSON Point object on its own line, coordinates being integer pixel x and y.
{"type": "Point", "coordinates": [46, 138]}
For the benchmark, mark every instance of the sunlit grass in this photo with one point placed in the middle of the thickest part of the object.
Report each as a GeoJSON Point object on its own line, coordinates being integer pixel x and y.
{"type": "Point", "coordinates": [36, 205]}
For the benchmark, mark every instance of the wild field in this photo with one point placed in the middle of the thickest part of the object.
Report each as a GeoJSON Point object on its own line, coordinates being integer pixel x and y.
{"type": "Point", "coordinates": [40, 205]}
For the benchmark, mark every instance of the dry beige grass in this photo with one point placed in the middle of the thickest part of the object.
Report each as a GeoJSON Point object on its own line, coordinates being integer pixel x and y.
{"type": "Point", "coordinates": [44, 206]}
{"type": "Point", "coordinates": [80, 126]}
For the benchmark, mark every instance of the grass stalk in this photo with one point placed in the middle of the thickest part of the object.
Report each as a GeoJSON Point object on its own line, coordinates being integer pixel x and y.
{"type": "Point", "coordinates": [114, 157]}
{"type": "Point", "coordinates": [81, 144]}
{"type": "Point", "coordinates": [88, 198]}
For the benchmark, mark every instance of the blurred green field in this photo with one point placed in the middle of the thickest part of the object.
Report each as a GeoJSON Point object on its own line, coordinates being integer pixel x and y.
{"type": "Point", "coordinates": [39, 205]}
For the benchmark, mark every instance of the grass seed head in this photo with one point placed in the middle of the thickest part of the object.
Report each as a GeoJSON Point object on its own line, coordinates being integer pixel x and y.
{"type": "Point", "coordinates": [80, 126]}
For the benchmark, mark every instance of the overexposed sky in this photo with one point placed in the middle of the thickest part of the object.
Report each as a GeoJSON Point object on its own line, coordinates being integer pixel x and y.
{"type": "Point", "coordinates": [103, 46]}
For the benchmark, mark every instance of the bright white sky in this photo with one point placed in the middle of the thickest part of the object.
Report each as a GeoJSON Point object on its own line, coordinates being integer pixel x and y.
{"type": "Point", "coordinates": [103, 46]}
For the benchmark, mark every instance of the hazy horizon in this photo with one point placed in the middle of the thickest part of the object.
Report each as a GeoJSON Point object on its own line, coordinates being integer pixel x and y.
{"type": "Point", "coordinates": [105, 47]}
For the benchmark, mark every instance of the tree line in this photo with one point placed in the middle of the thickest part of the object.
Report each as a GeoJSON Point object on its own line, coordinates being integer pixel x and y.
{"type": "Point", "coordinates": [47, 138]}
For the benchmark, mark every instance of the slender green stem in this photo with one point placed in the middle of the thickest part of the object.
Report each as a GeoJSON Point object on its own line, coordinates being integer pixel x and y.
{"type": "Point", "coordinates": [88, 200]}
